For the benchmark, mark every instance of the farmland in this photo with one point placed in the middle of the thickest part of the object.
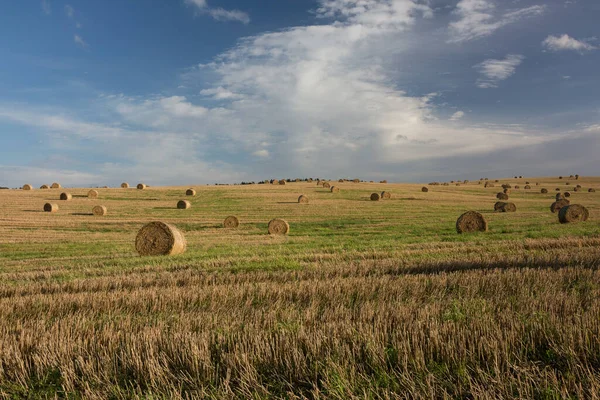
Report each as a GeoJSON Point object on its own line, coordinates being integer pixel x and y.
{"type": "Point", "coordinates": [363, 299]}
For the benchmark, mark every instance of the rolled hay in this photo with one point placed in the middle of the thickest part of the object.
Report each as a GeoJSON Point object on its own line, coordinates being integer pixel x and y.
{"type": "Point", "coordinates": [282, 182]}
{"type": "Point", "coordinates": [578, 186]}
{"type": "Point", "coordinates": [506, 186]}
{"type": "Point", "coordinates": [576, 189]}
{"type": "Point", "coordinates": [386, 195]}
{"type": "Point", "coordinates": [591, 190]}
{"type": "Point", "coordinates": [559, 196]}
{"type": "Point", "coordinates": [44, 187]}
{"type": "Point", "coordinates": [326, 185]}
{"type": "Point", "coordinates": [190, 192]}
{"type": "Point", "coordinates": [383, 181]}
{"type": "Point", "coordinates": [424, 189]}
{"type": "Point", "coordinates": [375, 197]}
{"type": "Point", "coordinates": [159, 239]}
{"type": "Point", "coordinates": [520, 177]}
{"type": "Point", "coordinates": [278, 226]}
{"type": "Point", "coordinates": [27, 187]}
{"type": "Point", "coordinates": [517, 186]}
{"type": "Point", "coordinates": [557, 189]}
{"type": "Point", "coordinates": [183, 204]}
{"type": "Point", "coordinates": [537, 184]}
{"type": "Point", "coordinates": [577, 177]}
{"type": "Point", "coordinates": [466, 181]}
{"type": "Point", "coordinates": [340, 180]}
{"type": "Point", "coordinates": [573, 213]}
{"type": "Point", "coordinates": [55, 185]}
{"type": "Point", "coordinates": [557, 205]}
{"type": "Point", "coordinates": [319, 183]}
{"type": "Point", "coordinates": [527, 183]}
{"type": "Point", "coordinates": [488, 184]}
{"type": "Point", "coordinates": [502, 196]}
{"type": "Point", "coordinates": [302, 199]}
{"type": "Point", "coordinates": [92, 194]}
{"type": "Point", "coordinates": [457, 184]}
{"type": "Point", "coordinates": [498, 206]}
{"type": "Point", "coordinates": [141, 186]}
{"type": "Point", "coordinates": [66, 196]}
{"type": "Point", "coordinates": [125, 185]}
{"type": "Point", "coordinates": [356, 181]}
{"type": "Point", "coordinates": [506, 191]}
{"type": "Point", "coordinates": [544, 191]}
{"type": "Point", "coordinates": [508, 207]}
{"type": "Point", "coordinates": [231, 222]}
{"type": "Point", "coordinates": [471, 221]}
{"type": "Point", "coordinates": [527, 187]}
{"type": "Point", "coordinates": [567, 183]}
{"type": "Point", "coordinates": [560, 177]}
{"type": "Point", "coordinates": [50, 207]}
{"type": "Point", "coordinates": [567, 194]}
{"type": "Point", "coordinates": [99, 211]}
{"type": "Point", "coordinates": [335, 189]}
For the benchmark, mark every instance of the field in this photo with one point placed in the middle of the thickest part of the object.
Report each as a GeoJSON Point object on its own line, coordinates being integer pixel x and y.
{"type": "Point", "coordinates": [362, 299]}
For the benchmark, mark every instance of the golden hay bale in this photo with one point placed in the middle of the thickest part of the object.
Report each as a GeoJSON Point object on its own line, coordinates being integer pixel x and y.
{"type": "Point", "coordinates": [55, 185]}
{"type": "Point", "coordinates": [99, 211]}
{"type": "Point", "coordinates": [27, 187]}
{"type": "Point", "coordinates": [506, 186]}
{"type": "Point", "coordinates": [335, 189]}
{"type": "Point", "coordinates": [527, 187]}
{"type": "Point", "coordinates": [159, 239]}
{"type": "Point", "coordinates": [326, 185]}
{"type": "Point", "coordinates": [340, 180]}
{"type": "Point", "coordinates": [458, 184]}
{"type": "Point", "coordinates": [544, 191]}
{"type": "Point", "coordinates": [319, 183]}
{"type": "Point", "coordinates": [183, 204]}
{"type": "Point", "coordinates": [383, 181]}
{"type": "Point", "coordinates": [559, 196]}
{"type": "Point", "coordinates": [44, 187]}
{"type": "Point", "coordinates": [516, 186]}
{"type": "Point", "coordinates": [190, 192]}
{"type": "Point", "coordinates": [591, 190]}
{"type": "Point", "coordinates": [558, 189]}
{"type": "Point", "coordinates": [93, 194]}
{"type": "Point", "coordinates": [466, 181]}
{"type": "Point", "coordinates": [386, 195]}
{"type": "Point", "coordinates": [375, 197]}
{"type": "Point", "coordinates": [567, 183]}
{"type": "Point", "coordinates": [424, 189]}
{"type": "Point", "coordinates": [278, 226]}
{"type": "Point", "coordinates": [50, 207]}
{"type": "Point", "coordinates": [577, 177]}
{"type": "Point", "coordinates": [527, 183]}
{"type": "Point", "coordinates": [506, 191]}
{"type": "Point", "coordinates": [498, 206]}
{"type": "Point", "coordinates": [356, 181]}
{"type": "Point", "coordinates": [231, 222]}
{"type": "Point", "coordinates": [125, 185]}
{"type": "Point", "coordinates": [303, 199]}
{"type": "Point", "coordinates": [576, 189]}
{"type": "Point", "coordinates": [508, 207]}
{"type": "Point", "coordinates": [141, 186]}
{"type": "Point", "coordinates": [573, 213]}
{"type": "Point", "coordinates": [567, 194]}
{"type": "Point", "coordinates": [471, 221]}
{"type": "Point", "coordinates": [557, 205]}
{"type": "Point", "coordinates": [488, 184]}
{"type": "Point", "coordinates": [560, 177]}
{"type": "Point", "coordinates": [502, 196]}
{"type": "Point", "coordinates": [66, 196]}
{"type": "Point", "coordinates": [282, 182]}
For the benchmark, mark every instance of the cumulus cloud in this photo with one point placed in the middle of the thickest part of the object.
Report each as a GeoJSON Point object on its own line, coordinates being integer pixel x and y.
{"type": "Point", "coordinates": [494, 71]}
{"type": "Point", "coordinates": [69, 10]}
{"type": "Point", "coordinates": [457, 115]}
{"type": "Point", "coordinates": [263, 153]}
{"type": "Point", "coordinates": [80, 42]}
{"type": "Point", "coordinates": [479, 18]}
{"type": "Point", "coordinates": [219, 14]}
{"type": "Point", "coordinates": [566, 42]}
{"type": "Point", "coordinates": [46, 7]}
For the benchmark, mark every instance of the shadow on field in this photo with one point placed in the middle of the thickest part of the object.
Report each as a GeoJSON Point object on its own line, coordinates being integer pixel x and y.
{"type": "Point", "coordinates": [164, 208]}
{"type": "Point", "coordinates": [81, 196]}
{"type": "Point", "coordinates": [34, 211]}
{"type": "Point", "coordinates": [86, 214]}
{"type": "Point", "coordinates": [287, 202]}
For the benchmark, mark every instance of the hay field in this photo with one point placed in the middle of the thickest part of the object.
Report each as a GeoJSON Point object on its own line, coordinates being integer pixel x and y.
{"type": "Point", "coordinates": [363, 299]}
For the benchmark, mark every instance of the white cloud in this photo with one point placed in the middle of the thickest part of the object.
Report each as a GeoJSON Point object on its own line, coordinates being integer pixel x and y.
{"type": "Point", "coordinates": [46, 7]}
{"type": "Point", "coordinates": [220, 93]}
{"type": "Point", "coordinates": [79, 41]}
{"type": "Point", "coordinates": [261, 153]}
{"type": "Point", "coordinates": [218, 13]}
{"type": "Point", "coordinates": [69, 10]}
{"type": "Point", "coordinates": [565, 42]}
{"type": "Point", "coordinates": [494, 71]}
{"type": "Point", "coordinates": [457, 115]}
{"type": "Point", "coordinates": [479, 18]}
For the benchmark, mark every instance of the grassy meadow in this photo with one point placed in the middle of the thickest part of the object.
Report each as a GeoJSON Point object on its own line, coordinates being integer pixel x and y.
{"type": "Point", "coordinates": [363, 299]}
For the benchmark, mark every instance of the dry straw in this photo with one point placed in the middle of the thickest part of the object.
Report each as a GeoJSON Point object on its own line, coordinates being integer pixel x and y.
{"type": "Point", "coordinates": [303, 199]}
{"type": "Point", "coordinates": [506, 191]}
{"type": "Point", "coordinates": [527, 187]}
{"type": "Point", "coordinates": [559, 196]}
{"type": "Point", "coordinates": [573, 213]}
{"type": "Point", "coordinates": [386, 195]}
{"type": "Point", "coordinates": [502, 196]}
{"type": "Point", "coordinates": [99, 211]}
{"type": "Point", "coordinates": [44, 187]}
{"type": "Point", "coordinates": [125, 185]}
{"type": "Point", "coordinates": [471, 221]}
{"type": "Point", "coordinates": [557, 205]}
{"type": "Point", "coordinates": [375, 196]}
{"type": "Point", "coordinates": [27, 187]}
{"type": "Point", "coordinates": [50, 207]}
{"type": "Point", "coordinates": [183, 204]}
{"type": "Point", "coordinates": [278, 226]}
{"type": "Point", "coordinates": [141, 186]}
{"type": "Point", "coordinates": [231, 222]}
{"type": "Point", "coordinates": [56, 185]}
{"type": "Point", "coordinates": [498, 206]}
{"type": "Point", "coordinates": [356, 181]}
{"type": "Point", "coordinates": [66, 196]}
{"type": "Point", "coordinates": [159, 239]}
{"type": "Point", "coordinates": [190, 192]}
{"type": "Point", "coordinates": [591, 190]}
{"type": "Point", "coordinates": [508, 207]}
{"type": "Point", "coordinates": [567, 194]}
{"type": "Point", "coordinates": [93, 194]}
{"type": "Point", "coordinates": [282, 182]}
{"type": "Point", "coordinates": [544, 191]}
{"type": "Point", "coordinates": [326, 185]}
{"type": "Point", "coordinates": [335, 189]}
{"type": "Point", "coordinates": [424, 189]}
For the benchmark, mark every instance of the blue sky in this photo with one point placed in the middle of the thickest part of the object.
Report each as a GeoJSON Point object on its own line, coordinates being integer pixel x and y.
{"type": "Point", "coordinates": [204, 91]}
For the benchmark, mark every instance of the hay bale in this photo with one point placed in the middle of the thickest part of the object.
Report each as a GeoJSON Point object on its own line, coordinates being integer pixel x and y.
{"type": "Point", "coordinates": [559, 196]}
{"type": "Point", "coordinates": [56, 185]}
{"type": "Point", "coordinates": [356, 181]}
{"type": "Point", "coordinates": [124, 185]}
{"type": "Point", "coordinates": [190, 192]}
{"type": "Point", "coordinates": [44, 187]}
{"type": "Point", "coordinates": [340, 180]}
{"type": "Point", "coordinates": [99, 211]}
{"type": "Point", "coordinates": [520, 177]}
{"type": "Point", "coordinates": [527, 187]}
{"type": "Point", "coordinates": [386, 195]}
{"type": "Point", "coordinates": [557, 205]}
{"type": "Point", "coordinates": [424, 189]}
{"type": "Point", "coordinates": [567, 194]}
{"type": "Point", "coordinates": [577, 177]}
{"type": "Point", "coordinates": [591, 190]}
{"type": "Point", "coordinates": [527, 183]}
{"type": "Point", "coordinates": [335, 189]}
{"type": "Point", "coordinates": [544, 191]}
{"type": "Point", "coordinates": [302, 199]}
{"type": "Point", "coordinates": [466, 181]}
{"type": "Point", "coordinates": [498, 206]}
{"type": "Point", "coordinates": [375, 197]}
{"type": "Point", "coordinates": [576, 189]}
{"type": "Point", "coordinates": [282, 182]}
{"type": "Point", "coordinates": [458, 184]}
{"type": "Point", "coordinates": [508, 207]}
{"type": "Point", "coordinates": [183, 205]}
{"type": "Point", "coordinates": [502, 196]}
{"type": "Point", "coordinates": [50, 207]}
{"type": "Point", "coordinates": [506, 191]}
{"type": "Point", "coordinates": [567, 183]}
{"type": "Point", "coordinates": [489, 184]}
{"type": "Point", "coordinates": [573, 213]}
{"type": "Point", "coordinates": [383, 181]}
{"type": "Point", "coordinates": [27, 187]}
{"type": "Point", "coordinates": [231, 222]}
{"type": "Point", "coordinates": [159, 239]}
{"type": "Point", "coordinates": [560, 177]}
{"type": "Point", "coordinates": [471, 221]}
{"type": "Point", "coordinates": [93, 194]}
{"type": "Point", "coordinates": [517, 186]}
{"type": "Point", "coordinates": [326, 185]}
{"type": "Point", "coordinates": [66, 196]}
{"type": "Point", "coordinates": [319, 183]}
{"type": "Point", "coordinates": [141, 186]}
{"type": "Point", "coordinates": [506, 186]}
{"type": "Point", "coordinates": [558, 189]}
{"type": "Point", "coordinates": [278, 226]}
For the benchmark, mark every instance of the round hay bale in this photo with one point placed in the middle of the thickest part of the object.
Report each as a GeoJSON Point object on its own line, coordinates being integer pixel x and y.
{"type": "Point", "coordinates": [502, 196]}
{"type": "Point", "coordinates": [278, 226]}
{"type": "Point", "coordinates": [557, 205]}
{"type": "Point", "coordinates": [558, 189]}
{"type": "Point", "coordinates": [424, 189]}
{"type": "Point", "coordinates": [340, 180]}
{"type": "Point", "coordinates": [471, 221]}
{"type": "Point", "coordinates": [302, 199]}
{"type": "Point", "coordinates": [458, 184]}
{"type": "Point", "coordinates": [50, 207]}
{"type": "Point", "coordinates": [517, 186]}
{"type": "Point", "coordinates": [508, 207]}
{"type": "Point", "coordinates": [44, 187]}
{"type": "Point", "coordinates": [466, 181]}
{"type": "Point", "coordinates": [591, 190]}
{"type": "Point", "coordinates": [375, 197]}
{"type": "Point", "coordinates": [56, 185]}
{"type": "Point", "coordinates": [99, 211]}
{"type": "Point", "coordinates": [576, 189]}
{"type": "Point", "coordinates": [573, 213]}
{"type": "Point", "coordinates": [319, 183]}
{"type": "Point", "coordinates": [125, 185]}
{"type": "Point", "coordinates": [335, 189]}
{"type": "Point", "coordinates": [93, 194]}
{"type": "Point", "coordinates": [141, 186]}
{"type": "Point", "coordinates": [498, 206]}
{"type": "Point", "coordinates": [559, 196]}
{"type": "Point", "coordinates": [489, 184]}
{"type": "Point", "coordinates": [356, 181]}
{"type": "Point", "coordinates": [544, 191]}
{"type": "Point", "coordinates": [27, 187]}
{"type": "Point", "coordinates": [567, 194]}
{"type": "Point", "coordinates": [383, 181]}
{"type": "Point", "coordinates": [282, 182]}
{"type": "Point", "coordinates": [326, 185]}
{"type": "Point", "coordinates": [527, 187]}
{"type": "Point", "coordinates": [159, 239]}
{"type": "Point", "coordinates": [577, 177]}
{"type": "Point", "coordinates": [66, 196]}
{"type": "Point", "coordinates": [231, 222]}
{"type": "Point", "coordinates": [183, 205]}
{"type": "Point", "coordinates": [527, 183]}
{"type": "Point", "coordinates": [506, 191]}
{"type": "Point", "coordinates": [520, 177]}
{"type": "Point", "coordinates": [560, 177]}
{"type": "Point", "coordinates": [506, 186]}
{"type": "Point", "coordinates": [190, 192]}
{"type": "Point", "coordinates": [567, 183]}
{"type": "Point", "coordinates": [537, 184]}
{"type": "Point", "coordinates": [386, 195]}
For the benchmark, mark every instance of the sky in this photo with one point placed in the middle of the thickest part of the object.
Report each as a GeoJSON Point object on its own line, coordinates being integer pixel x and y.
{"type": "Point", "coordinates": [178, 92]}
